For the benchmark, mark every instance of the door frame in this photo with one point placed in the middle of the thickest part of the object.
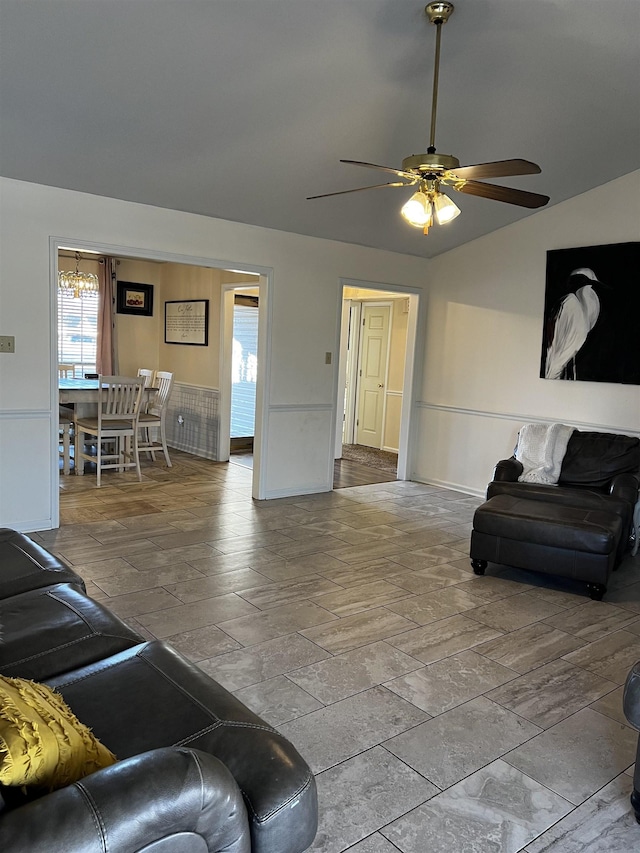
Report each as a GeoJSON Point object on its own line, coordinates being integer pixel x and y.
{"type": "Point", "coordinates": [226, 363]}
{"type": "Point", "coordinates": [149, 254]}
{"type": "Point", "coordinates": [412, 366]}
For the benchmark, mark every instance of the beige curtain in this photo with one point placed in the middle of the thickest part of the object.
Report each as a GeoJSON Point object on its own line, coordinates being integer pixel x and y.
{"type": "Point", "coordinates": [106, 361]}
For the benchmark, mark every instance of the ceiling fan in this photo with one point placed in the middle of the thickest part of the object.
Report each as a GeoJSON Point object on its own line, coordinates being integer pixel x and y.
{"type": "Point", "coordinates": [432, 171]}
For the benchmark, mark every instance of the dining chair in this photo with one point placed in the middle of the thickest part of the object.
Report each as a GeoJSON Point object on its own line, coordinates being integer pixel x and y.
{"type": "Point", "coordinates": [118, 412]}
{"type": "Point", "coordinates": [148, 376]}
{"type": "Point", "coordinates": [154, 417]}
{"type": "Point", "coordinates": [66, 371]}
{"type": "Point", "coordinates": [65, 426]}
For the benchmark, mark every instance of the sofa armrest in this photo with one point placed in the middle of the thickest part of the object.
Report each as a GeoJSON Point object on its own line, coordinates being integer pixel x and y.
{"type": "Point", "coordinates": [625, 487]}
{"type": "Point", "coordinates": [507, 470]}
{"type": "Point", "coordinates": [172, 799]}
{"type": "Point", "coordinates": [631, 697]}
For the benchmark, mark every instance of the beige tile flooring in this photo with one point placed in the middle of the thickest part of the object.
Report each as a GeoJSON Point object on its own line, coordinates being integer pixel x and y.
{"type": "Point", "coordinates": [441, 712]}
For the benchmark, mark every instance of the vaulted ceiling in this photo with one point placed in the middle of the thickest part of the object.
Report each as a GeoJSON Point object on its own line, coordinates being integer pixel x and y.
{"type": "Point", "coordinates": [240, 109]}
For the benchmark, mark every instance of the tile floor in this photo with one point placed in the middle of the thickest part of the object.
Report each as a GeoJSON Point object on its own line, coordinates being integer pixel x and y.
{"type": "Point", "coordinates": [441, 712]}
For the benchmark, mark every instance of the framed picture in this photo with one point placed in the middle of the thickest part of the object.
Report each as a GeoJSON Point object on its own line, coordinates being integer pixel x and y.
{"type": "Point", "coordinates": [592, 304]}
{"type": "Point", "coordinates": [135, 298]}
{"type": "Point", "coordinates": [186, 321]}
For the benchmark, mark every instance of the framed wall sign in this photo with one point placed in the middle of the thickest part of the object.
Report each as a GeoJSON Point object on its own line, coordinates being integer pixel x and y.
{"type": "Point", "coordinates": [135, 298]}
{"type": "Point", "coordinates": [186, 321]}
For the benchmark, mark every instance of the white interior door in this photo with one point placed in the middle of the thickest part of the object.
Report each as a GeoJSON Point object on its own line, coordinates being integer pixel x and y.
{"type": "Point", "coordinates": [374, 352]}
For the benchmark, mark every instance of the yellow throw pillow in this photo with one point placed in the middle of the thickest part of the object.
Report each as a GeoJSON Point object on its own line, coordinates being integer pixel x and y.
{"type": "Point", "coordinates": [42, 743]}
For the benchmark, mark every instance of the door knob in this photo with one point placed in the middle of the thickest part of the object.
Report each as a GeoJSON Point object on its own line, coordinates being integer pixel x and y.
{"type": "Point", "coordinates": [380, 385]}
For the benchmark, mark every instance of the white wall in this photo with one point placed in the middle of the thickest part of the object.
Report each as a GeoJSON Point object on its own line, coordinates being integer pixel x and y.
{"type": "Point", "coordinates": [484, 337]}
{"type": "Point", "coordinates": [484, 326]}
{"type": "Point", "coordinates": [305, 297]}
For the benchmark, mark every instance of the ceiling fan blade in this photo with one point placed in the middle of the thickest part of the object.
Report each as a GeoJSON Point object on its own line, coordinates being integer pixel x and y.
{"type": "Point", "coordinates": [398, 172]}
{"type": "Point", "coordinates": [497, 169]}
{"type": "Point", "coordinates": [506, 194]}
{"type": "Point", "coordinates": [358, 189]}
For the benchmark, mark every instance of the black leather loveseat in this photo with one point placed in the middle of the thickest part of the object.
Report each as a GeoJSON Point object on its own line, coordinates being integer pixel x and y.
{"type": "Point", "coordinates": [579, 528]}
{"type": "Point", "coordinates": [197, 771]}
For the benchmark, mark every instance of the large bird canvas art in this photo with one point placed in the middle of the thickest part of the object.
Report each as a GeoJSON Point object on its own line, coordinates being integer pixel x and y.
{"type": "Point", "coordinates": [592, 314]}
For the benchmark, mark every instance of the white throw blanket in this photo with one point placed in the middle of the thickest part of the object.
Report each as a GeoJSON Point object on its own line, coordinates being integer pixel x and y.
{"type": "Point", "coordinates": [541, 449]}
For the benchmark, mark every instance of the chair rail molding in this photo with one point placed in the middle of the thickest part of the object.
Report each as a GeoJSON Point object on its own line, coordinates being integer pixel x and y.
{"type": "Point", "coordinates": [526, 418]}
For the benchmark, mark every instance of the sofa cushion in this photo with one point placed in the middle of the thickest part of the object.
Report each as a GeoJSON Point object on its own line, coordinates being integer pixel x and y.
{"type": "Point", "coordinates": [25, 565]}
{"type": "Point", "coordinates": [563, 496]}
{"type": "Point", "coordinates": [52, 630]}
{"type": "Point", "coordinates": [593, 458]}
{"type": "Point", "coordinates": [42, 743]}
{"type": "Point", "coordinates": [150, 696]}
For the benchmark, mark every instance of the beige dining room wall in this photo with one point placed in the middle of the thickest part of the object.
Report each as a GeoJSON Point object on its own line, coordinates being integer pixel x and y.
{"type": "Point", "coordinates": [137, 337]}
{"type": "Point", "coordinates": [193, 365]}
{"type": "Point", "coordinates": [141, 339]}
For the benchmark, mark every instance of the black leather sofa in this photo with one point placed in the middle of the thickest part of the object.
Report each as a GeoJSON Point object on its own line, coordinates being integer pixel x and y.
{"type": "Point", "coordinates": [197, 771]}
{"type": "Point", "coordinates": [579, 528]}
{"type": "Point", "coordinates": [631, 703]}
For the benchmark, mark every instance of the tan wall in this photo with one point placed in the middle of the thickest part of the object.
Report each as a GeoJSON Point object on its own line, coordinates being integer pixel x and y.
{"type": "Point", "coordinates": [195, 365]}
{"type": "Point", "coordinates": [395, 379]}
{"type": "Point", "coordinates": [141, 339]}
{"type": "Point", "coordinates": [397, 345]}
{"type": "Point", "coordinates": [137, 337]}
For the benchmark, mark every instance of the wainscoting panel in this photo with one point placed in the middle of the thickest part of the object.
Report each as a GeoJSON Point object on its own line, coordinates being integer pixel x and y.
{"type": "Point", "coordinates": [458, 448]}
{"type": "Point", "coordinates": [299, 451]}
{"type": "Point", "coordinates": [192, 419]}
{"type": "Point", "coordinates": [26, 436]}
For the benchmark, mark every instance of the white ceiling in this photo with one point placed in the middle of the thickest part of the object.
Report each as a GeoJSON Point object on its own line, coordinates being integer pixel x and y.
{"type": "Point", "coordinates": [241, 108]}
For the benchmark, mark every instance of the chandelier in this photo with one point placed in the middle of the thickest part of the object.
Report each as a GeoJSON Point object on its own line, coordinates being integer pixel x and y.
{"type": "Point", "coordinates": [78, 282]}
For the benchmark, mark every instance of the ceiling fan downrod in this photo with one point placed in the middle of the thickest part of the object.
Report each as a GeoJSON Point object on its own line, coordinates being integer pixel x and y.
{"type": "Point", "coordinates": [438, 14]}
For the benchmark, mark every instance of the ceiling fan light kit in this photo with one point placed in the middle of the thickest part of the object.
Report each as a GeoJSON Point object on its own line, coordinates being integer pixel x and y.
{"type": "Point", "coordinates": [432, 170]}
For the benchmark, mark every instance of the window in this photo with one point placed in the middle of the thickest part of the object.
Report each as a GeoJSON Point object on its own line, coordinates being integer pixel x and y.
{"type": "Point", "coordinates": [78, 331]}
{"type": "Point", "coordinates": [244, 368]}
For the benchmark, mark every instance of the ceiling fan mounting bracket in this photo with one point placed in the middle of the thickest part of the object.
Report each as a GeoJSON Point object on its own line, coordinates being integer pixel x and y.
{"type": "Point", "coordinates": [438, 13]}
{"type": "Point", "coordinates": [431, 162]}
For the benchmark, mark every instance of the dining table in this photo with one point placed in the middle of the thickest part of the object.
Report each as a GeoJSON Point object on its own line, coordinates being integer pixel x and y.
{"type": "Point", "coordinates": [82, 395]}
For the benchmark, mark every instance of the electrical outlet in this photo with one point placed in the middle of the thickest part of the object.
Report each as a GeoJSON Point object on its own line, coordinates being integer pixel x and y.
{"type": "Point", "coordinates": [7, 343]}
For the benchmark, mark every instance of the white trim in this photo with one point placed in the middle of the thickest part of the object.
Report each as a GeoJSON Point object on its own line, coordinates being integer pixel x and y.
{"type": "Point", "coordinates": [25, 414]}
{"type": "Point", "coordinates": [343, 410]}
{"type": "Point", "coordinates": [350, 371]}
{"type": "Point", "coordinates": [298, 490]}
{"type": "Point", "coordinates": [224, 378]}
{"type": "Point", "coordinates": [198, 387]}
{"type": "Point", "coordinates": [525, 418]}
{"type": "Point", "coordinates": [455, 487]}
{"type": "Point", "coordinates": [264, 344]}
{"type": "Point", "coordinates": [416, 330]}
{"type": "Point", "coordinates": [389, 449]}
{"type": "Point", "coordinates": [301, 407]}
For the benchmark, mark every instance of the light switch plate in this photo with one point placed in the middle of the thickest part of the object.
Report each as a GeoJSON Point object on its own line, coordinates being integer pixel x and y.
{"type": "Point", "coordinates": [7, 343]}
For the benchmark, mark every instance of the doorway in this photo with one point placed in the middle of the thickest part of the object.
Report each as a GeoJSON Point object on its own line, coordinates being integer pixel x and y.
{"type": "Point", "coordinates": [375, 379]}
{"type": "Point", "coordinates": [242, 354]}
{"type": "Point", "coordinates": [260, 275]}
{"type": "Point", "coordinates": [244, 375]}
